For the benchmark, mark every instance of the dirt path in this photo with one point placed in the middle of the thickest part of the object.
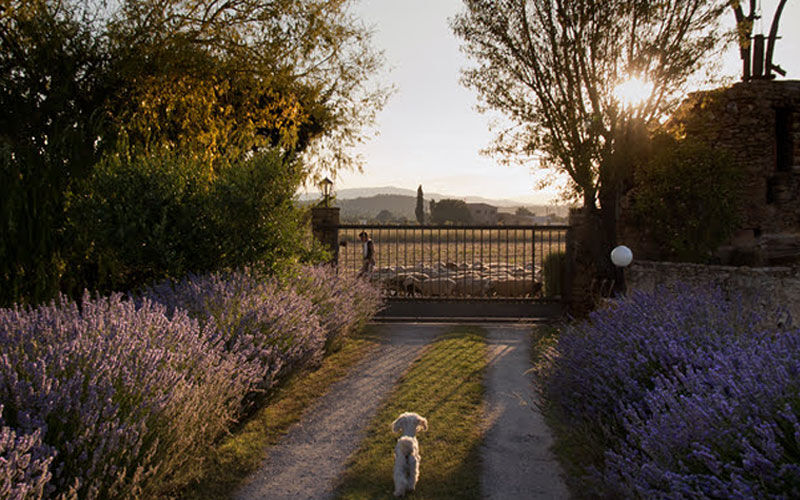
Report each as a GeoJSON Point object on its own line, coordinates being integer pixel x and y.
{"type": "Point", "coordinates": [517, 462]}
{"type": "Point", "coordinates": [308, 461]}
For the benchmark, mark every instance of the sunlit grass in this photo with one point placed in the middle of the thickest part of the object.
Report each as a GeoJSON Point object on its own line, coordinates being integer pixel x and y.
{"type": "Point", "coordinates": [445, 385]}
{"type": "Point", "coordinates": [241, 453]}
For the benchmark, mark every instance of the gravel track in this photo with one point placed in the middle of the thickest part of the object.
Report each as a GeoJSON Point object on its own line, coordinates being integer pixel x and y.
{"type": "Point", "coordinates": [517, 462]}
{"type": "Point", "coordinates": [308, 461]}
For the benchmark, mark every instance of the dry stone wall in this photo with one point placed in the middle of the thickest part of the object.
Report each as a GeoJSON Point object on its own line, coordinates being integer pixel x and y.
{"type": "Point", "coordinates": [781, 284]}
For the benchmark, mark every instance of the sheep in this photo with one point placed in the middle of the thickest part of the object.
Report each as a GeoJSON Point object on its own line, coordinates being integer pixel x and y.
{"type": "Point", "coordinates": [515, 287]}
{"type": "Point", "coordinates": [436, 286]}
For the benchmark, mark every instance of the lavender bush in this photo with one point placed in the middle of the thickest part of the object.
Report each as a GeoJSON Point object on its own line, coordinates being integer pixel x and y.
{"type": "Point", "coordinates": [694, 394]}
{"type": "Point", "coordinates": [124, 400]}
{"type": "Point", "coordinates": [343, 302]}
{"type": "Point", "coordinates": [121, 397]}
{"type": "Point", "coordinates": [24, 464]}
{"type": "Point", "coordinates": [254, 317]}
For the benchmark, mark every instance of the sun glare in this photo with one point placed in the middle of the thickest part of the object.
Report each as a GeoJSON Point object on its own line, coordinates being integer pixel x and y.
{"type": "Point", "coordinates": [633, 92]}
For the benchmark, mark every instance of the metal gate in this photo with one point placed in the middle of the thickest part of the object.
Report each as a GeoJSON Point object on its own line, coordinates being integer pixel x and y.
{"type": "Point", "coordinates": [460, 263]}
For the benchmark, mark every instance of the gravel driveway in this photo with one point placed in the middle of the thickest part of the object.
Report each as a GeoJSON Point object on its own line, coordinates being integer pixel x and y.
{"type": "Point", "coordinates": [308, 461]}
{"type": "Point", "coordinates": [517, 463]}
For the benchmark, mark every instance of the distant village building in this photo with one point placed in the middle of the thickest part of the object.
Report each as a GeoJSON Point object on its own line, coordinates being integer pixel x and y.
{"type": "Point", "coordinates": [482, 213]}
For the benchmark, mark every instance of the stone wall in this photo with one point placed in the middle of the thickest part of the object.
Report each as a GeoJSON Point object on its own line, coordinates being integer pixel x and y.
{"type": "Point", "coordinates": [779, 283]}
{"type": "Point", "coordinates": [758, 123]}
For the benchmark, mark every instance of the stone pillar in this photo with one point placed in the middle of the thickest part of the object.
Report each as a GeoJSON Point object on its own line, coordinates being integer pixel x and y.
{"type": "Point", "coordinates": [325, 226]}
{"type": "Point", "coordinates": [586, 261]}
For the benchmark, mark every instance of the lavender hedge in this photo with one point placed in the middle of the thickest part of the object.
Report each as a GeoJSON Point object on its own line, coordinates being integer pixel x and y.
{"type": "Point", "coordinates": [110, 399]}
{"type": "Point", "coordinates": [343, 302]}
{"type": "Point", "coordinates": [693, 394]}
{"type": "Point", "coordinates": [121, 397]}
{"type": "Point", "coordinates": [267, 324]}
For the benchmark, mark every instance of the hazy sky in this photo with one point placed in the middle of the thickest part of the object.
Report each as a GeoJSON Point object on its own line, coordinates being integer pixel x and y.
{"type": "Point", "coordinates": [430, 132]}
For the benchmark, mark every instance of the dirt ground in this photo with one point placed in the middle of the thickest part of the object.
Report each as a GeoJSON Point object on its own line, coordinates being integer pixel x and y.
{"type": "Point", "coordinates": [517, 462]}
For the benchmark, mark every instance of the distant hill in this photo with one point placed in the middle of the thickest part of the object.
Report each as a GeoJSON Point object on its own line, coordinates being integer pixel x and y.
{"type": "Point", "coordinates": [368, 207]}
{"type": "Point", "coordinates": [352, 193]}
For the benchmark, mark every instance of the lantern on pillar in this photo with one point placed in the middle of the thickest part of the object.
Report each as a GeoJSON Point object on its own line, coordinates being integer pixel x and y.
{"type": "Point", "coordinates": [325, 187]}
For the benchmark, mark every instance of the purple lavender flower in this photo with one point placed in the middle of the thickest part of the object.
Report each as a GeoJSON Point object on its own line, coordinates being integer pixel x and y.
{"type": "Point", "coordinates": [124, 397]}
{"type": "Point", "coordinates": [694, 393]}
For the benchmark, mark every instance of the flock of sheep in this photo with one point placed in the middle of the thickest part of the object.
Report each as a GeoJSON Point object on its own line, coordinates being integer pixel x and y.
{"type": "Point", "coordinates": [496, 279]}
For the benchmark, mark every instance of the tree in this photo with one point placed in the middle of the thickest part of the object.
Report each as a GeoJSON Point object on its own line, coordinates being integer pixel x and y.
{"type": "Point", "coordinates": [214, 81]}
{"type": "Point", "coordinates": [384, 217]}
{"type": "Point", "coordinates": [552, 67]}
{"type": "Point", "coordinates": [450, 211]}
{"type": "Point", "coordinates": [420, 210]}
{"type": "Point", "coordinates": [524, 211]}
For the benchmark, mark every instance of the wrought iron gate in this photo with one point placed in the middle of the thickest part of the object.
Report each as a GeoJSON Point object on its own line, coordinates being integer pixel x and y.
{"type": "Point", "coordinates": [467, 263]}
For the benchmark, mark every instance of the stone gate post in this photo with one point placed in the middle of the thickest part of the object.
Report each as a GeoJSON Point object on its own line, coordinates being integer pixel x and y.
{"type": "Point", "coordinates": [325, 227]}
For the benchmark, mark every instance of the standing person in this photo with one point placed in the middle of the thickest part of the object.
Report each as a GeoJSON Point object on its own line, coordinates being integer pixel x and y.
{"type": "Point", "coordinates": [367, 254]}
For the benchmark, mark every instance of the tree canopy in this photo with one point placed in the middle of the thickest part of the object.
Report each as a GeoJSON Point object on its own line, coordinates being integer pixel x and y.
{"type": "Point", "coordinates": [552, 67]}
{"type": "Point", "coordinates": [419, 210]}
{"type": "Point", "coordinates": [213, 78]}
{"type": "Point", "coordinates": [450, 211]}
{"type": "Point", "coordinates": [209, 81]}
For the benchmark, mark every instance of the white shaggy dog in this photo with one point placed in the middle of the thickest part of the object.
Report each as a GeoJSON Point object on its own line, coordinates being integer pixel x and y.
{"type": "Point", "coordinates": [409, 423]}
{"type": "Point", "coordinates": [406, 453]}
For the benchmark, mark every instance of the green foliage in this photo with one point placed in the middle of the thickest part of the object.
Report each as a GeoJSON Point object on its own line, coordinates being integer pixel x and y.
{"type": "Point", "coordinates": [554, 272]}
{"type": "Point", "coordinates": [524, 211]}
{"type": "Point", "coordinates": [144, 218]}
{"type": "Point", "coordinates": [450, 211]}
{"type": "Point", "coordinates": [215, 81]}
{"type": "Point", "coordinates": [384, 217]}
{"type": "Point", "coordinates": [687, 198]}
{"type": "Point", "coordinates": [53, 83]}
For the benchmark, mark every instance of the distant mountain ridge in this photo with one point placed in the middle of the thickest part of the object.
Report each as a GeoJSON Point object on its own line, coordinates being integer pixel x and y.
{"type": "Point", "coordinates": [367, 208]}
{"type": "Point", "coordinates": [353, 193]}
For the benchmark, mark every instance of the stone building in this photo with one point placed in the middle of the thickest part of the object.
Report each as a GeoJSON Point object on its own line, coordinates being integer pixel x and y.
{"type": "Point", "coordinates": [482, 213]}
{"type": "Point", "coordinates": [758, 122]}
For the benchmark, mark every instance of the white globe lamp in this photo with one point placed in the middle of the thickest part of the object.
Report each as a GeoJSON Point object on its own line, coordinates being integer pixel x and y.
{"type": "Point", "coordinates": [621, 256]}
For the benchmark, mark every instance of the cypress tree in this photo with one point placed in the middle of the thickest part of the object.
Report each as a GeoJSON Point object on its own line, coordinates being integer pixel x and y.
{"type": "Point", "coordinates": [420, 210]}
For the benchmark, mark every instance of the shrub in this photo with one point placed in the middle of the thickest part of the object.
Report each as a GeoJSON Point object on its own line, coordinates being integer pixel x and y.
{"type": "Point", "coordinates": [553, 270]}
{"type": "Point", "coordinates": [122, 398]}
{"type": "Point", "coordinates": [125, 400]}
{"type": "Point", "coordinates": [743, 440]}
{"type": "Point", "coordinates": [687, 198]}
{"type": "Point", "coordinates": [273, 327]}
{"type": "Point", "coordinates": [145, 218]}
{"type": "Point", "coordinates": [24, 464]}
{"type": "Point", "coordinates": [635, 374]}
{"type": "Point", "coordinates": [343, 302]}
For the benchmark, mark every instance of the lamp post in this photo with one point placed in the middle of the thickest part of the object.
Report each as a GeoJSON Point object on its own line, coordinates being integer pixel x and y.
{"type": "Point", "coordinates": [621, 257]}
{"type": "Point", "coordinates": [325, 186]}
